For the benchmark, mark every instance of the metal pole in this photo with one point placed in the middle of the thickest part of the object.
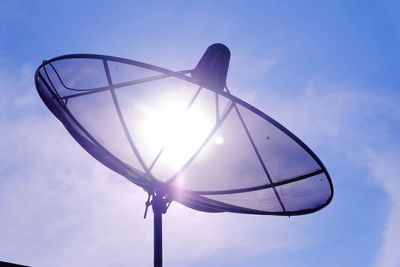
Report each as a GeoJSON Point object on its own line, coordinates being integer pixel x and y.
{"type": "Point", "coordinates": [158, 204]}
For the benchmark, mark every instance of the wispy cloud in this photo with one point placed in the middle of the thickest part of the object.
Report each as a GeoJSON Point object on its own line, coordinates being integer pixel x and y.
{"type": "Point", "coordinates": [385, 169]}
{"type": "Point", "coordinates": [60, 207]}
{"type": "Point", "coordinates": [363, 128]}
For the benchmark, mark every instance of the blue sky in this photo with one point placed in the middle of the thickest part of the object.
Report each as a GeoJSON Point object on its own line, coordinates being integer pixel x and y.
{"type": "Point", "coordinates": [327, 70]}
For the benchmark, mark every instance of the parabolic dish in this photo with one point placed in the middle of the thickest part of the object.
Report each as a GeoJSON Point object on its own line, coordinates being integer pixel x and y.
{"type": "Point", "coordinates": [204, 148]}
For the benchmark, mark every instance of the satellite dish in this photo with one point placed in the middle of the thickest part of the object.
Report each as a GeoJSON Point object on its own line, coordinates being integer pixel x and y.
{"type": "Point", "coordinates": [182, 136]}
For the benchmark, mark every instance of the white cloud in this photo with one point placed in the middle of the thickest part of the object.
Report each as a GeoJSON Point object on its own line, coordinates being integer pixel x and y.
{"type": "Point", "coordinates": [385, 169]}
{"type": "Point", "coordinates": [59, 207]}
{"type": "Point", "coordinates": [360, 126]}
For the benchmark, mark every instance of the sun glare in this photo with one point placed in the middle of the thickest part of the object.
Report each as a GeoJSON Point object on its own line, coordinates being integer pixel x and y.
{"type": "Point", "coordinates": [178, 131]}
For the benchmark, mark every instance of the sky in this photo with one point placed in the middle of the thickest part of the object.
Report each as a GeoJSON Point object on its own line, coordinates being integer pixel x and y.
{"type": "Point", "coordinates": [326, 70]}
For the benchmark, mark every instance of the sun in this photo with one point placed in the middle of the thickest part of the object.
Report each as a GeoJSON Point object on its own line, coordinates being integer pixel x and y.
{"type": "Point", "coordinates": [175, 132]}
